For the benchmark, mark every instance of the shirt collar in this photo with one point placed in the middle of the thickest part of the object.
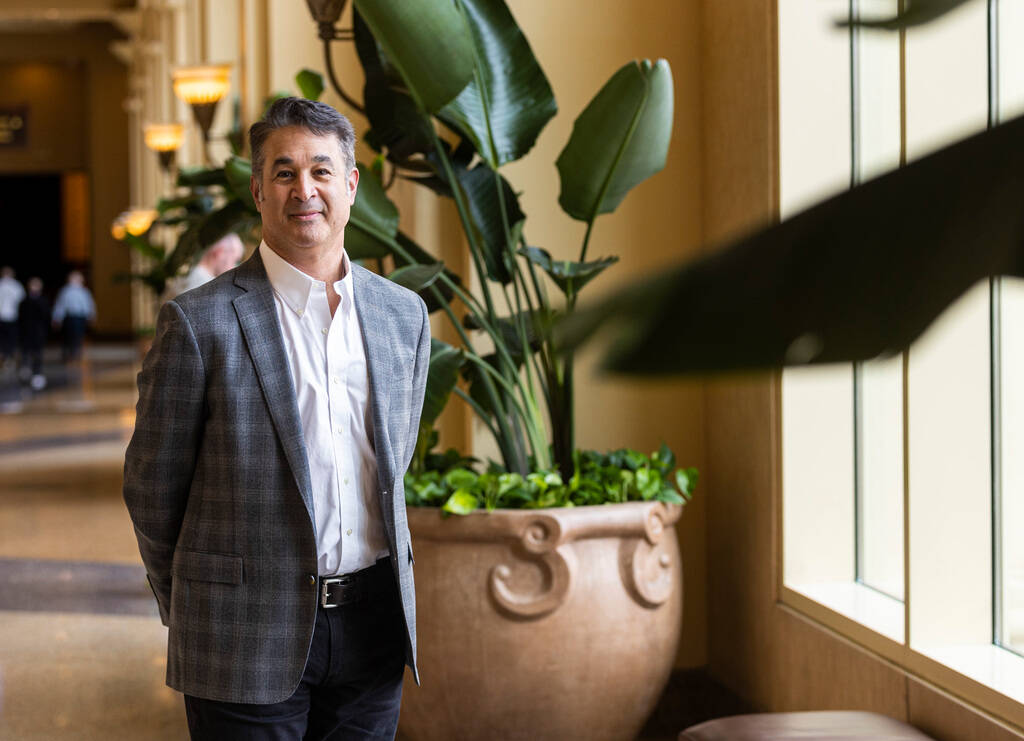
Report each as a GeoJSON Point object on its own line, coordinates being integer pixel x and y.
{"type": "Point", "coordinates": [294, 286]}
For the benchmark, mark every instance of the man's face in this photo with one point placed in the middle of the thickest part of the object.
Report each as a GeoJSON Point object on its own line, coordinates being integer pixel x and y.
{"type": "Point", "coordinates": [303, 194]}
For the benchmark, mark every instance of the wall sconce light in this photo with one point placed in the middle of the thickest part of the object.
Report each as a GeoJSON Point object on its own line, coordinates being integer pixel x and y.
{"type": "Point", "coordinates": [165, 139]}
{"type": "Point", "coordinates": [202, 88]}
{"type": "Point", "coordinates": [136, 222]}
{"type": "Point", "coordinates": [326, 14]}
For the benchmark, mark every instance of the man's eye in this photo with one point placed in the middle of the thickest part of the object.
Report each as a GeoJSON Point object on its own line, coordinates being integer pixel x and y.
{"type": "Point", "coordinates": [323, 172]}
{"type": "Point", "coordinates": [283, 174]}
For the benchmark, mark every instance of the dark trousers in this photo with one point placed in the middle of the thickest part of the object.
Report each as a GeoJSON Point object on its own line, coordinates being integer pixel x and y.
{"type": "Point", "coordinates": [8, 339]}
{"type": "Point", "coordinates": [74, 333]}
{"type": "Point", "coordinates": [32, 357]}
{"type": "Point", "coordinates": [351, 687]}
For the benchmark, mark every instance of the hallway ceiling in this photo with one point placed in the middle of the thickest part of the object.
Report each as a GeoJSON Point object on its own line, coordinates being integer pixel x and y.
{"type": "Point", "coordinates": [26, 15]}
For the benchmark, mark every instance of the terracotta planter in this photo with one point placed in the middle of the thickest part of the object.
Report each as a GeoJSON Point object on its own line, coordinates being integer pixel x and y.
{"type": "Point", "coordinates": [543, 624]}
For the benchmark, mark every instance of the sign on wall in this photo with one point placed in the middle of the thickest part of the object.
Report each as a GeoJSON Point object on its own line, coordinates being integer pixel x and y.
{"type": "Point", "coordinates": [13, 126]}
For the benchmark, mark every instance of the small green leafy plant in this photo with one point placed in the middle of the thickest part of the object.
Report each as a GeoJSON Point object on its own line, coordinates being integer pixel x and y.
{"type": "Point", "coordinates": [599, 478]}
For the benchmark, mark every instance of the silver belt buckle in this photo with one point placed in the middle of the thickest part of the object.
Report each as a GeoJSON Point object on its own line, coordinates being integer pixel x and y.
{"type": "Point", "coordinates": [325, 585]}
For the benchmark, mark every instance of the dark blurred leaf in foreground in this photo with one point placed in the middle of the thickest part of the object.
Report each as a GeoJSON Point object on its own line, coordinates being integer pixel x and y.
{"type": "Point", "coordinates": [914, 13]}
{"type": "Point", "coordinates": [858, 276]}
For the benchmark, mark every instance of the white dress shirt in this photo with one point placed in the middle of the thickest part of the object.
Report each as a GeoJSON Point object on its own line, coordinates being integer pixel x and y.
{"type": "Point", "coordinates": [328, 365]}
{"type": "Point", "coordinates": [11, 294]}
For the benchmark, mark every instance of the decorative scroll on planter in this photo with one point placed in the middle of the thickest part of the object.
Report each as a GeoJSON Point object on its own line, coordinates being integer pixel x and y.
{"type": "Point", "coordinates": [544, 541]}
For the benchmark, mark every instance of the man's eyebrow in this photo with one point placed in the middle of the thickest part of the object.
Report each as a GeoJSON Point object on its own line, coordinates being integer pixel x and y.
{"type": "Point", "coordinates": [289, 161]}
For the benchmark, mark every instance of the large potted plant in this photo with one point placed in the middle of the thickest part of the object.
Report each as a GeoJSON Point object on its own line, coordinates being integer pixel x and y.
{"type": "Point", "coordinates": [555, 568]}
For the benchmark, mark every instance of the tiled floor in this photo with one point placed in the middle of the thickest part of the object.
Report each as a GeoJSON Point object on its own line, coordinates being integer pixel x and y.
{"type": "Point", "coordinates": [82, 653]}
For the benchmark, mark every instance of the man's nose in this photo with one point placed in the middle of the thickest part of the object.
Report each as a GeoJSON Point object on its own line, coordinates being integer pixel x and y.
{"type": "Point", "coordinates": [302, 188]}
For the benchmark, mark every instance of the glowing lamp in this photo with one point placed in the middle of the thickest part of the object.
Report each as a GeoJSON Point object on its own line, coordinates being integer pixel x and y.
{"type": "Point", "coordinates": [202, 88]}
{"type": "Point", "coordinates": [138, 220]}
{"type": "Point", "coordinates": [165, 139]}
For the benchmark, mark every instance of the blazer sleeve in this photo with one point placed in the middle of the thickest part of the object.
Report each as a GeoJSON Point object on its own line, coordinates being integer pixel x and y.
{"type": "Point", "coordinates": [161, 456]}
{"type": "Point", "coordinates": [419, 385]}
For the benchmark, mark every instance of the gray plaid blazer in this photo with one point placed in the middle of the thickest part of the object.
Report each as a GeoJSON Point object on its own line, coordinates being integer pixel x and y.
{"type": "Point", "coordinates": [217, 481]}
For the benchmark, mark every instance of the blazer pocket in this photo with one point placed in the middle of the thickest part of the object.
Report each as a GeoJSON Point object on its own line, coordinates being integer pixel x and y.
{"type": "Point", "coordinates": [201, 566]}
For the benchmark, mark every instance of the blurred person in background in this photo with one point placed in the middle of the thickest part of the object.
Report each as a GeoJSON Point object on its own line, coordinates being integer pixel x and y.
{"type": "Point", "coordinates": [73, 311]}
{"type": "Point", "coordinates": [219, 258]}
{"type": "Point", "coordinates": [34, 326]}
{"type": "Point", "coordinates": [11, 294]}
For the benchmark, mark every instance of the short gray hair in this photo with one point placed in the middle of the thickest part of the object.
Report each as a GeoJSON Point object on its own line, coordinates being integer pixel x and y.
{"type": "Point", "coordinates": [317, 118]}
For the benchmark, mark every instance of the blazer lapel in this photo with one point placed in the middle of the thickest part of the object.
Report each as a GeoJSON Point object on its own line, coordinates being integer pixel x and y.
{"type": "Point", "coordinates": [373, 323]}
{"type": "Point", "coordinates": [257, 316]}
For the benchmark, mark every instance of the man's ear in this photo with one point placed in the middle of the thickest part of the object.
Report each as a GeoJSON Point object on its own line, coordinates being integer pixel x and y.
{"type": "Point", "coordinates": [254, 188]}
{"type": "Point", "coordinates": [353, 182]}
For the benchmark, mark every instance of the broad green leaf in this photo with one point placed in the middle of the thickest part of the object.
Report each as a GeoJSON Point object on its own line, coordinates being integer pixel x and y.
{"type": "Point", "coordinates": [508, 329]}
{"type": "Point", "coordinates": [417, 277]}
{"type": "Point", "coordinates": [427, 42]}
{"type": "Point", "coordinates": [619, 140]}
{"type": "Point", "coordinates": [364, 245]}
{"type": "Point", "coordinates": [686, 481]}
{"type": "Point", "coordinates": [372, 209]}
{"type": "Point", "coordinates": [144, 247]}
{"type": "Point", "coordinates": [443, 374]}
{"type": "Point", "coordinates": [396, 124]}
{"type": "Point", "coordinates": [460, 503]}
{"type": "Point", "coordinates": [422, 257]}
{"type": "Point", "coordinates": [670, 496]}
{"type": "Point", "coordinates": [567, 275]}
{"type": "Point", "coordinates": [373, 221]}
{"type": "Point", "coordinates": [460, 478]}
{"type": "Point", "coordinates": [311, 84]}
{"type": "Point", "coordinates": [481, 186]}
{"type": "Point", "coordinates": [237, 172]}
{"type": "Point", "coordinates": [509, 101]}
{"type": "Point", "coordinates": [202, 176]}
{"type": "Point", "coordinates": [194, 202]}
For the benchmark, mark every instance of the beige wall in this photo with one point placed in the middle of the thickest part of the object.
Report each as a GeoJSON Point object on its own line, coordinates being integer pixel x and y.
{"type": "Point", "coordinates": [76, 89]}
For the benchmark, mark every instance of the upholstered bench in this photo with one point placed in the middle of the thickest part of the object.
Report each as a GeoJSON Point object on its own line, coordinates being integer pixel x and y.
{"type": "Point", "coordinates": [846, 725]}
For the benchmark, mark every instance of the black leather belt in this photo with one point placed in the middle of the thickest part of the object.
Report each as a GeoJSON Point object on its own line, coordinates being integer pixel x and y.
{"type": "Point", "coordinates": [345, 589]}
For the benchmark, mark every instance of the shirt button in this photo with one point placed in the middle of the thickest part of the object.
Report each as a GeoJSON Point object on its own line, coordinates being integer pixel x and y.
{"type": "Point", "coordinates": [348, 532]}
{"type": "Point", "coordinates": [299, 312]}
{"type": "Point", "coordinates": [324, 330]}
{"type": "Point", "coordinates": [346, 481]}
{"type": "Point", "coordinates": [335, 379]}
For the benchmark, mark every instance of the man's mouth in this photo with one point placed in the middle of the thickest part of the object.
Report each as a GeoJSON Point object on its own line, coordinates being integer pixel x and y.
{"type": "Point", "coordinates": [304, 215]}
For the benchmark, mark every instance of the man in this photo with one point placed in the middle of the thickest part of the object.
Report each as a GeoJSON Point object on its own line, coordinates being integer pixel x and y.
{"type": "Point", "coordinates": [218, 258]}
{"type": "Point", "coordinates": [277, 414]}
{"type": "Point", "coordinates": [33, 327]}
{"type": "Point", "coordinates": [11, 294]}
{"type": "Point", "coordinates": [73, 311]}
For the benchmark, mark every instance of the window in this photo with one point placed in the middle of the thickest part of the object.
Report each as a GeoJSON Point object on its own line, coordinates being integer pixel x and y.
{"type": "Point", "coordinates": [903, 478]}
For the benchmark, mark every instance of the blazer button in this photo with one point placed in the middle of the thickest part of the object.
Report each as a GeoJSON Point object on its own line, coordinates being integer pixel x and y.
{"type": "Point", "coordinates": [312, 580]}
